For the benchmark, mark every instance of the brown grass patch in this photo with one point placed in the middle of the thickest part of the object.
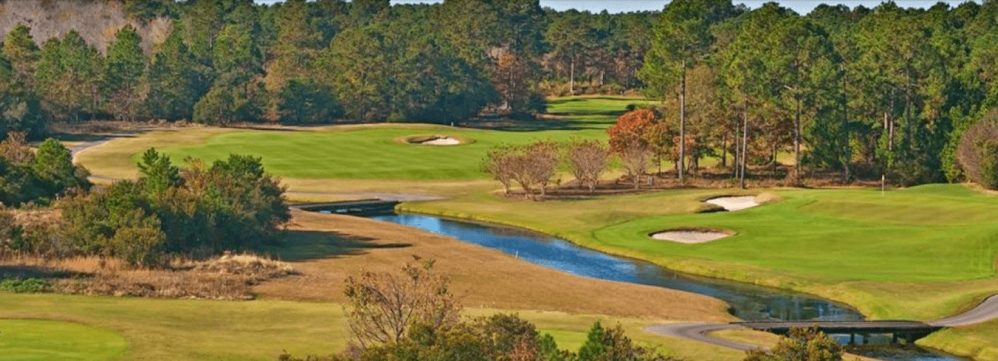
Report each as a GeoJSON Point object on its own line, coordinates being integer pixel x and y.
{"type": "Point", "coordinates": [229, 277]}
{"type": "Point", "coordinates": [328, 248]}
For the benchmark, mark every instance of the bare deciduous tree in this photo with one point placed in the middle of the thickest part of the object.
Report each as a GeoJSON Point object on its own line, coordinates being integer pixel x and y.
{"type": "Point", "coordinates": [635, 158]}
{"type": "Point", "coordinates": [588, 160]}
{"type": "Point", "coordinates": [531, 166]}
{"type": "Point", "coordinates": [382, 307]}
{"type": "Point", "coordinates": [499, 163]}
{"type": "Point", "coordinates": [540, 161]}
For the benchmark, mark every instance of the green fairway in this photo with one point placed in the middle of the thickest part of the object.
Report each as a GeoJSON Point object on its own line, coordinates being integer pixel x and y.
{"type": "Point", "coordinates": [879, 252]}
{"type": "Point", "coordinates": [27, 340]}
{"type": "Point", "coordinates": [365, 152]}
{"type": "Point", "coordinates": [375, 152]}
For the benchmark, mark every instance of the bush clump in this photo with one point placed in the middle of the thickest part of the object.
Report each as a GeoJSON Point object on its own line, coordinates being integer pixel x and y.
{"type": "Point", "coordinates": [196, 212]}
{"type": "Point", "coordinates": [25, 285]}
{"type": "Point", "coordinates": [37, 176]}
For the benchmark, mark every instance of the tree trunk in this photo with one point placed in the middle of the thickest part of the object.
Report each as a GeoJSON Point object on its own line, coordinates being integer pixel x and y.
{"type": "Point", "coordinates": [682, 123]}
{"type": "Point", "coordinates": [744, 146]}
{"type": "Point", "coordinates": [797, 144]}
{"type": "Point", "coordinates": [737, 142]}
{"type": "Point", "coordinates": [571, 78]}
{"type": "Point", "coordinates": [724, 150]}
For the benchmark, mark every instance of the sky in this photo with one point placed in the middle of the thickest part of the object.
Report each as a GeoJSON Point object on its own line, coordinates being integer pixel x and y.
{"type": "Point", "coordinates": [614, 6]}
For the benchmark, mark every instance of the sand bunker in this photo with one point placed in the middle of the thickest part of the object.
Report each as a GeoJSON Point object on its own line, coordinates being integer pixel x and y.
{"type": "Point", "coordinates": [732, 204]}
{"type": "Point", "coordinates": [690, 236]}
{"type": "Point", "coordinates": [442, 141]}
{"type": "Point", "coordinates": [433, 140]}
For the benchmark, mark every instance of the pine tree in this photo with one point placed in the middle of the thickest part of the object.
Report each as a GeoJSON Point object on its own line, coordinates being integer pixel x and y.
{"type": "Point", "coordinates": [173, 79]}
{"type": "Point", "coordinates": [22, 52]}
{"type": "Point", "coordinates": [124, 70]}
{"type": "Point", "coordinates": [69, 76]}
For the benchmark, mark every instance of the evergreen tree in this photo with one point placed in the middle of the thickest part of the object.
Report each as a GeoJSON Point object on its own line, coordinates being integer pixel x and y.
{"type": "Point", "coordinates": [22, 52]}
{"type": "Point", "coordinates": [20, 110]}
{"type": "Point", "coordinates": [682, 39]}
{"type": "Point", "coordinates": [124, 70]}
{"type": "Point", "coordinates": [173, 79]}
{"type": "Point", "coordinates": [68, 76]}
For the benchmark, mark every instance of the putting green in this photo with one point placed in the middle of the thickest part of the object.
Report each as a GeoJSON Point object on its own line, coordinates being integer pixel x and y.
{"type": "Point", "coordinates": [26, 340]}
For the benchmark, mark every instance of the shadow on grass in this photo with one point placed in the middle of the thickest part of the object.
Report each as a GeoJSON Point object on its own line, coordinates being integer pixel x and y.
{"type": "Point", "coordinates": [310, 245]}
{"type": "Point", "coordinates": [35, 271]}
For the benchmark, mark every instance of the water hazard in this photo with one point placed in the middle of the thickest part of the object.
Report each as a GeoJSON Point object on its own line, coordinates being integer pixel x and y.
{"type": "Point", "coordinates": [748, 302]}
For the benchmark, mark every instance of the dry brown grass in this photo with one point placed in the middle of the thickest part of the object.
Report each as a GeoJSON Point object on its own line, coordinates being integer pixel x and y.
{"type": "Point", "coordinates": [229, 277]}
{"type": "Point", "coordinates": [484, 277]}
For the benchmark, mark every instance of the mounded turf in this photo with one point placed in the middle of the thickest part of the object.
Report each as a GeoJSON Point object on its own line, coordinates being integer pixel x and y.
{"type": "Point", "coordinates": [29, 340]}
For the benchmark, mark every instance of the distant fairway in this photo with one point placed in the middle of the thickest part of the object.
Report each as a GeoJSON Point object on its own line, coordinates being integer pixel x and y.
{"type": "Point", "coordinates": [375, 151]}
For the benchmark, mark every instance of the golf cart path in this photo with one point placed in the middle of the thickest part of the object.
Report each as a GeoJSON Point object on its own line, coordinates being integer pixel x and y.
{"type": "Point", "coordinates": [985, 311]}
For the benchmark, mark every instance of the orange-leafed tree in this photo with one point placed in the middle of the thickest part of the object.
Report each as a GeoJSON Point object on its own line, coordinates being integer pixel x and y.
{"type": "Point", "coordinates": [630, 140]}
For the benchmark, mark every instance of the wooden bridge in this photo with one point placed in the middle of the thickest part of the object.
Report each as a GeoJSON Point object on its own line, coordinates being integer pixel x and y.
{"type": "Point", "coordinates": [909, 331]}
{"type": "Point", "coordinates": [363, 206]}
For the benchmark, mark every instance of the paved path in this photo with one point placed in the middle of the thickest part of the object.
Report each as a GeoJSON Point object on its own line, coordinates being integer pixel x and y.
{"type": "Point", "coordinates": [699, 332]}
{"type": "Point", "coordinates": [983, 312]}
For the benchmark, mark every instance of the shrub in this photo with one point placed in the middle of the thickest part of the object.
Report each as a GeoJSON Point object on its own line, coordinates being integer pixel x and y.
{"type": "Point", "coordinates": [804, 344]}
{"type": "Point", "coordinates": [197, 212]}
{"type": "Point", "coordinates": [26, 285]}
{"type": "Point", "coordinates": [978, 152]}
{"type": "Point", "coordinates": [28, 176]}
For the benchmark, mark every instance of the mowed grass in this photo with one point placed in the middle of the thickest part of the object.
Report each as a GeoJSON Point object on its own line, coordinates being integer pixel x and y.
{"type": "Point", "coordinates": [362, 152]}
{"type": "Point", "coordinates": [919, 253]}
{"type": "Point", "coordinates": [159, 329]}
{"type": "Point", "coordinates": [29, 340]}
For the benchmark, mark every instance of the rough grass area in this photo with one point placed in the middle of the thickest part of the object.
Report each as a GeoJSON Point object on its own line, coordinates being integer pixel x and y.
{"type": "Point", "coordinates": [30, 340]}
{"type": "Point", "coordinates": [228, 277]}
{"type": "Point", "coordinates": [862, 247]}
{"type": "Point", "coordinates": [158, 329]}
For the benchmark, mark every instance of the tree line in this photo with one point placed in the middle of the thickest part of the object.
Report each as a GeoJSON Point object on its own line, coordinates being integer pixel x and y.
{"type": "Point", "coordinates": [317, 61]}
{"type": "Point", "coordinates": [869, 92]}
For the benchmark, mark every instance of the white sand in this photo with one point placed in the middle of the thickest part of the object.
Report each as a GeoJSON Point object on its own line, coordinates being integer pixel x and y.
{"type": "Point", "coordinates": [732, 204]}
{"type": "Point", "coordinates": [689, 237]}
{"type": "Point", "coordinates": [442, 141]}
